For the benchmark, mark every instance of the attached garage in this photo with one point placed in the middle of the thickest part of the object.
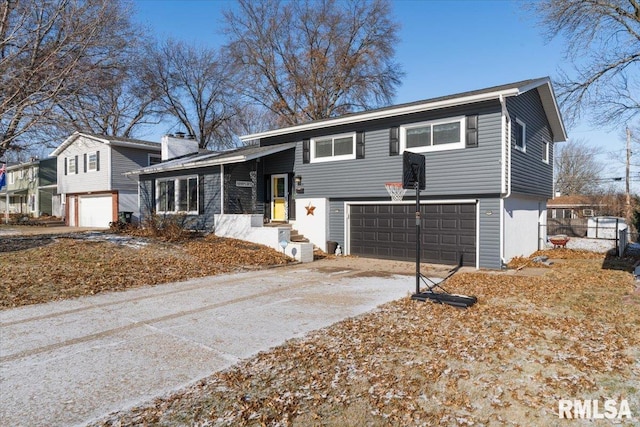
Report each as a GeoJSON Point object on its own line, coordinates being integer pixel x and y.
{"type": "Point", "coordinates": [388, 231]}
{"type": "Point", "coordinates": [95, 211]}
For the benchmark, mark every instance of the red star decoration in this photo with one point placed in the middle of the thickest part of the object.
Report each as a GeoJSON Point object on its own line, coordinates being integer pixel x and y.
{"type": "Point", "coordinates": [310, 209]}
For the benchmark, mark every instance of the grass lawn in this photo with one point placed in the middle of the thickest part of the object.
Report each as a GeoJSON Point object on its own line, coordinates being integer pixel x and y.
{"type": "Point", "coordinates": [40, 268]}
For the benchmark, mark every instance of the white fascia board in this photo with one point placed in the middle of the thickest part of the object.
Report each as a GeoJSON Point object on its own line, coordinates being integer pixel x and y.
{"type": "Point", "coordinates": [67, 142]}
{"type": "Point", "coordinates": [383, 114]}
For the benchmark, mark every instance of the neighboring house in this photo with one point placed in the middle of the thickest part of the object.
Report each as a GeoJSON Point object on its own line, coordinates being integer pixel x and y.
{"type": "Point", "coordinates": [574, 207]}
{"type": "Point", "coordinates": [31, 189]}
{"type": "Point", "coordinates": [91, 177]}
{"type": "Point", "coordinates": [489, 173]}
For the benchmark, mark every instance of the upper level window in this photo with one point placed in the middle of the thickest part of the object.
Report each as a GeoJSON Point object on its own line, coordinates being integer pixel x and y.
{"type": "Point", "coordinates": [154, 160]}
{"type": "Point", "coordinates": [92, 162]}
{"type": "Point", "coordinates": [338, 147]}
{"type": "Point", "coordinates": [520, 135]}
{"type": "Point", "coordinates": [177, 195]}
{"type": "Point", "coordinates": [12, 177]}
{"type": "Point", "coordinates": [71, 165]}
{"type": "Point", "coordinates": [545, 151]}
{"type": "Point", "coordinates": [436, 135]}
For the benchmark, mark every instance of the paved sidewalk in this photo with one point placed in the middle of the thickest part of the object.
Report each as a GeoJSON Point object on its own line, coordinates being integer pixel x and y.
{"type": "Point", "coordinates": [75, 361]}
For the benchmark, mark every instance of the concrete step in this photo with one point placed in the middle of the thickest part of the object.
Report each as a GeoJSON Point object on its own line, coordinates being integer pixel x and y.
{"type": "Point", "coordinates": [294, 236]}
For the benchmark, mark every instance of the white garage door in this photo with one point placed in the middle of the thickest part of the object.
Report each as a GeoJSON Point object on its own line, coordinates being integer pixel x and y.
{"type": "Point", "coordinates": [95, 211]}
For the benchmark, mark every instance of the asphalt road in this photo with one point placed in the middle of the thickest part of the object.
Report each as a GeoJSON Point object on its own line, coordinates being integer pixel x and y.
{"type": "Point", "coordinates": [76, 361]}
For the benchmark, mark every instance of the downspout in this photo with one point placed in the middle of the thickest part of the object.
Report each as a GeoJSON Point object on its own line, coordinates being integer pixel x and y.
{"type": "Point", "coordinates": [506, 182]}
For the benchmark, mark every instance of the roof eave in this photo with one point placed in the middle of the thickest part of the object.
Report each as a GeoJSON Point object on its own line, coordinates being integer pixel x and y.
{"type": "Point", "coordinates": [378, 114]}
{"type": "Point", "coordinates": [214, 161]}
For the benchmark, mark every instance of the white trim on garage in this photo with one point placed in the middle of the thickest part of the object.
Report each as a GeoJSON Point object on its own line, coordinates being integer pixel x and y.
{"type": "Point", "coordinates": [347, 229]}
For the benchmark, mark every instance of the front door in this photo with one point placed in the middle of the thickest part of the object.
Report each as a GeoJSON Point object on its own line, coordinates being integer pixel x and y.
{"type": "Point", "coordinates": [279, 197]}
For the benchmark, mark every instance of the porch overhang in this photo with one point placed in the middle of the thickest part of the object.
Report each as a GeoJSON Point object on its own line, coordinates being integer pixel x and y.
{"type": "Point", "coordinates": [215, 159]}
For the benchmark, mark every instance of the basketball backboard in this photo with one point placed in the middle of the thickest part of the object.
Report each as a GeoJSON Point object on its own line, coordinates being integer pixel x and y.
{"type": "Point", "coordinates": [413, 170]}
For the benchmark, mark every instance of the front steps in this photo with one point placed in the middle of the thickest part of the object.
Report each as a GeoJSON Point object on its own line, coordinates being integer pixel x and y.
{"type": "Point", "coordinates": [295, 235]}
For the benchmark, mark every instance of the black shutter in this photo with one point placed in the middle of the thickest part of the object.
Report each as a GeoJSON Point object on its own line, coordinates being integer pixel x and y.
{"type": "Point", "coordinates": [360, 145]}
{"type": "Point", "coordinates": [306, 151]}
{"type": "Point", "coordinates": [76, 160]}
{"type": "Point", "coordinates": [394, 141]}
{"type": "Point", "coordinates": [472, 131]}
{"type": "Point", "coordinates": [97, 160]}
{"type": "Point", "coordinates": [85, 162]}
{"type": "Point", "coordinates": [201, 195]}
{"type": "Point", "coordinates": [66, 160]}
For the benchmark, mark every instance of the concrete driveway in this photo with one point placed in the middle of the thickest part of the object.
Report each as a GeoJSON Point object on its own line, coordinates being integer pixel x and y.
{"type": "Point", "coordinates": [75, 361]}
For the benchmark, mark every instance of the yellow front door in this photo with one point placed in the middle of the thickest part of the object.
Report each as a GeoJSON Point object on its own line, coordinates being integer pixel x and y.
{"type": "Point", "coordinates": [279, 197]}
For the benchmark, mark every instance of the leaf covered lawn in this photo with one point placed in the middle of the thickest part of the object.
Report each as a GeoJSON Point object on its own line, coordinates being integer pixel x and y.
{"type": "Point", "coordinates": [570, 333]}
{"type": "Point", "coordinates": [43, 269]}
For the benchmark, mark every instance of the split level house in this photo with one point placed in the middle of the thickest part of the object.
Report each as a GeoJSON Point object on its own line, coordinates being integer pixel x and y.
{"type": "Point", "coordinates": [489, 173]}
{"type": "Point", "coordinates": [31, 189]}
{"type": "Point", "coordinates": [91, 181]}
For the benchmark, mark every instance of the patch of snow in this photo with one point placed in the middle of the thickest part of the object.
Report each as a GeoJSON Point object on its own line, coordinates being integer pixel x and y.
{"type": "Point", "coordinates": [586, 244]}
{"type": "Point", "coordinates": [129, 241]}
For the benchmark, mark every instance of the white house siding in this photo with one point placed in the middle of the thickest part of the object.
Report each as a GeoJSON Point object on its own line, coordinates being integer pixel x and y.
{"type": "Point", "coordinates": [521, 216]}
{"type": "Point", "coordinates": [81, 181]}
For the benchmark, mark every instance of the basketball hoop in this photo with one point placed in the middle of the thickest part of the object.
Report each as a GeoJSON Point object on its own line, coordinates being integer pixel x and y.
{"type": "Point", "coordinates": [395, 190]}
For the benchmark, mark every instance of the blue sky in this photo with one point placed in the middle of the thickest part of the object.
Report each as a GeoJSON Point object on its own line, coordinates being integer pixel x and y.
{"type": "Point", "coordinates": [445, 47]}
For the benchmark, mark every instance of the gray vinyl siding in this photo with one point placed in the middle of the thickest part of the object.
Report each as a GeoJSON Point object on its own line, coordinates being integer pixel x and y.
{"type": "Point", "coordinates": [125, 159]}
{"type": "Point", "coordinates": [282, 162]}
{"type": "Point", "coordinates": [529, 174]}
{"type": "Point", "coordinates": [208, 197]}
{"type": "Point", "coordinates": [336, 232]}
{"type": "Point", "coordinates": [461, 172]}
{"type": "Point", "coordinates": [489, 238]}
{"type": "Point", "coordinates": [240, 200]}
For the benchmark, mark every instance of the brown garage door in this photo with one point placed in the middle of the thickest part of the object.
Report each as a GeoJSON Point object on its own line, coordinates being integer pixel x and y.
{"type": "Point", "coordinates": [389, 231]}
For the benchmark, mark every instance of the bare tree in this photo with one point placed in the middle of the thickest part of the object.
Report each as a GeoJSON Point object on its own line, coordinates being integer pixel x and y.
{"type": "Point", "coordinates": [118, 104]}
{"type": "Point", "coordinates": [49, 50]}
{"type": "Point", "coordinates": [577, 171]}
{"type": "Point", "coordinates": [313, 59]}
{"type": "Point", "coordinates": [196, 88]}
{"type": "Point", "coordinates": [604, 50]}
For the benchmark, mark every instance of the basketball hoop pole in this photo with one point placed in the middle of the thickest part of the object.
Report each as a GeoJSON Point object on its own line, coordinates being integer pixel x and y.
{"type": "Point", "coordinates": [416, 185]}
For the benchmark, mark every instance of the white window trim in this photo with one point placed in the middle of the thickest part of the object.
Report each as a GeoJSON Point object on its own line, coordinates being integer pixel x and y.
{"type": "Point", "coordinates": [351, 156]}
{"type": "Point", "coordinates": [545, 151]}
{"type": "Point", "coordinates": [12, 177]}
{"type": "Point", "coordinates": [75, 166]}
{"type": "Point", "coordinates": [524, 137]}
{"type": "Point", "coordinates": [176, 195]}
{"type": "Point", "coordinates": [430, 148]}
{"type": "Point", "coordinates": [95, 168]}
